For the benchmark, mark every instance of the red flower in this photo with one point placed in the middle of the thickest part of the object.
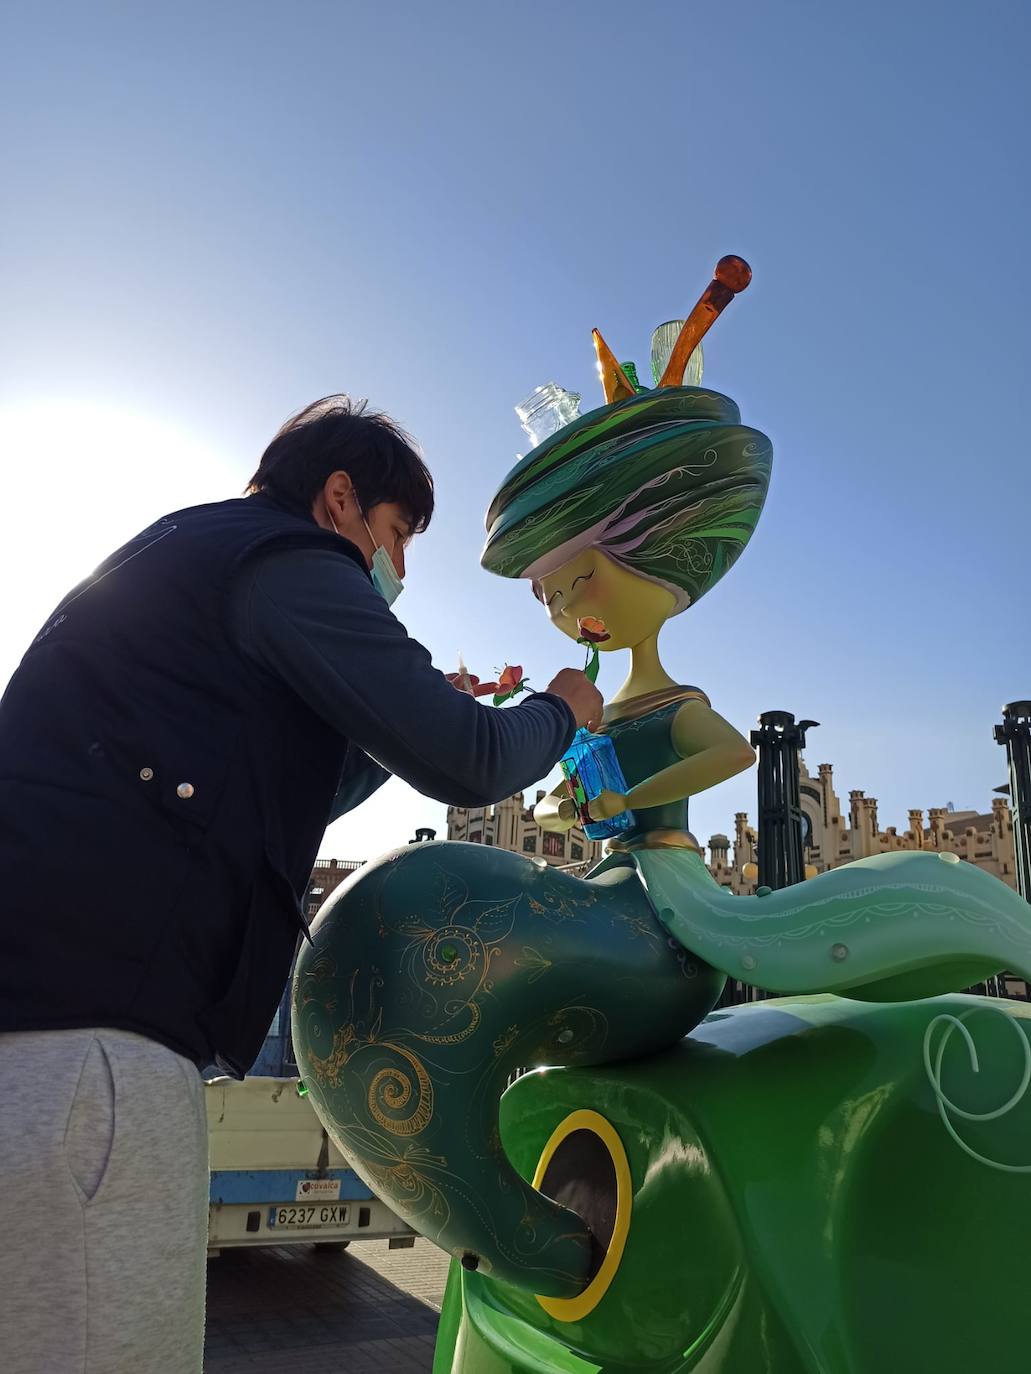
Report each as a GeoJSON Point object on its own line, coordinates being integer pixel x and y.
{"type": "Point", "coordinates": [510, 678]}
{"type": "Point", "coordinates": [591, 630]}
{"type": "Point", "coordinates": [466, 682]}
{"type": "Point", "coordinates": [510, 683]}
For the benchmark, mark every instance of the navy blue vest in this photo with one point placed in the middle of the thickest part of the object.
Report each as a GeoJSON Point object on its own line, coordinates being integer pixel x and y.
{"type": "Point", "coordinates": [162, 799]}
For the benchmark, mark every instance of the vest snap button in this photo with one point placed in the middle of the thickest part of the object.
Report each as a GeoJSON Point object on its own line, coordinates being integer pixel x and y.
{"type": "Point", "coordinates": [184, 790]}
{"type": "Point", "coordinates": [146, 774]}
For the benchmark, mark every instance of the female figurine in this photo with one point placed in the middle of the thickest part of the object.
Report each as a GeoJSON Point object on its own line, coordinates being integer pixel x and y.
{"type": "Point", "coordinates": [438, 970]}
{"type": "Point", "coordinates": [628, 516]}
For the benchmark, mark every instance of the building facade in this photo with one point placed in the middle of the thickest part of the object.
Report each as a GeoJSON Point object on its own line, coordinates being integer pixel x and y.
{"type": "Point", "coordinates": [510, 825]}
{"type": "Point", "coordinates": [326, 877]}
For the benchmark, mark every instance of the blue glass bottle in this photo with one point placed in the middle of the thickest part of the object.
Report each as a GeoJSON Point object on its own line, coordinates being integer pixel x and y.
{"type": "Point", "coordinates": [590, 766]}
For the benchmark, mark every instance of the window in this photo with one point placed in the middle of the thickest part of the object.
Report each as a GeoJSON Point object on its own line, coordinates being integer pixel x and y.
{"type": "Point", "coordinates": [530, 844]}
{"type": "Point", "coordinates": [316, 891]}
{"type": "Point", "coordinates": [313, 908]}
{"type": "Point", "coordinates": [554, 845]}
{"type": "Point", "coordinates": [476, 837]}
{"type": "Point", "coordinates": [576, 850]}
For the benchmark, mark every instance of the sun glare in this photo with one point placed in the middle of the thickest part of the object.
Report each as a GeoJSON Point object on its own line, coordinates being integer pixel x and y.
{"type": "Point", "coordinates": [79, 478]}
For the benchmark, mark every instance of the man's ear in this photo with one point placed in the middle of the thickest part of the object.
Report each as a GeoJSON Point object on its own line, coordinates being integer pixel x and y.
{"type": "Point", "coordinates": [338, 489]}
{"type": "Point", "coordinates": [335, 502]}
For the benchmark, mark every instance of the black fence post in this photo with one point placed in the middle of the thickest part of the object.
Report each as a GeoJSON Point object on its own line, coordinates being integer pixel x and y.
{"type": "Point", "coordinates": [779, 741]}
{"type": "Point", "coordinates": [781, 858]}
{"type": "Point", "coordinates": [1015, 734]}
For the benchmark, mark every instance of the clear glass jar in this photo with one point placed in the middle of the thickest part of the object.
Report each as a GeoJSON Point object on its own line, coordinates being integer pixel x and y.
{"type": "Point", "coordinates": [547, 408]}
{"type": "Point", "coordinates": [663, 339]}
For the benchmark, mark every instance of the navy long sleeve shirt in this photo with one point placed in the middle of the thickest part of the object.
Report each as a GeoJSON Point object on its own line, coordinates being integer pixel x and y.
{"type": "Point", "coordinates": [316, 621]}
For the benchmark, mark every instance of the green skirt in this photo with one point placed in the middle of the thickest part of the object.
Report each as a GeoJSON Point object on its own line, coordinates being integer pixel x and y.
{"type": "Point", "coordinates": [884, 929]}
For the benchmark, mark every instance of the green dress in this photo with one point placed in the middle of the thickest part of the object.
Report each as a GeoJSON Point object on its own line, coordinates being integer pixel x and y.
{"type": "Point", "coordinates": [641, 730]}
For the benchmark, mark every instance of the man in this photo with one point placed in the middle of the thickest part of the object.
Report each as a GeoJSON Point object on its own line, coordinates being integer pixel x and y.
{"type": "Point", "coordinates": [177, 737]}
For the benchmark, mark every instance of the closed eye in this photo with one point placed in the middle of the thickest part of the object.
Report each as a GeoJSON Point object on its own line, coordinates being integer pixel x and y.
{"type": "Point", "coordinates": [584, 577]}
{"type": "Point", "coordinates": [552, 597]}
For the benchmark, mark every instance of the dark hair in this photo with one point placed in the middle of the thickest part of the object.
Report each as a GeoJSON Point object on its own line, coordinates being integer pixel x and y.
{"type": "Point", "coordinates": [337, 434]}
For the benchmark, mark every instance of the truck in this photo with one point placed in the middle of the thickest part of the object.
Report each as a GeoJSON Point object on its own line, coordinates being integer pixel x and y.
{"type": "Point", "coordinates": [278, 1179]}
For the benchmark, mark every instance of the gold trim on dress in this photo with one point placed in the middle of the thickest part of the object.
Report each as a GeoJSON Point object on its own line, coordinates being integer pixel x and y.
{"type": "Point", "coordinates": [655, 839]}
{"type": "Point", "coordinates": [635, 707]}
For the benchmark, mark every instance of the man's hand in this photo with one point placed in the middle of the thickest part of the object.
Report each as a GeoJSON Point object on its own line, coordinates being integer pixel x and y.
{"type": "Point", "coordinates": [580, 695]}
{"type": "Point", "coordinates": [606, 805]}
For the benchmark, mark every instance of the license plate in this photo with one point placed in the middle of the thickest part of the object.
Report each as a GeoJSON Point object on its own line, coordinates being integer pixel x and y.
{"type": "Point", "coordinates": [307, 1218]}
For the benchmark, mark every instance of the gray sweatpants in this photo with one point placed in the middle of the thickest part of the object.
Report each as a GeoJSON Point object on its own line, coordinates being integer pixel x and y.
{"type": "Point", "coordinates": [103, 1205]}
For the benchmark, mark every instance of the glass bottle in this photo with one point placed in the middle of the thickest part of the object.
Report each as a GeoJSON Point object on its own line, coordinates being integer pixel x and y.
{"type": "Point", "coordinates": [590, 767]}
{"type": "Point", "coordinates": [547, 409]}
{"type": "Point", "coordinates": [630, 369]}
{"type": "Point", "coordinates": [663, 339]}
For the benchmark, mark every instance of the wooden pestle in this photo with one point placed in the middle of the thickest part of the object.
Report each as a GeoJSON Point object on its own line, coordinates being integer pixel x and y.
{"type": "Point", "coordinates": [732, 275]}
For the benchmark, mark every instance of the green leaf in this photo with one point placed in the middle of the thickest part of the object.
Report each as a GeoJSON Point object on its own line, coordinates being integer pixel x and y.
{"type": "Point", "coordinates": [501, 697]}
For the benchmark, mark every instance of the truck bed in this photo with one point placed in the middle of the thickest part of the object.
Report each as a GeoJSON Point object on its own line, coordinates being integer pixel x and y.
{"type": "Point", "coordinates": [277, 1178]}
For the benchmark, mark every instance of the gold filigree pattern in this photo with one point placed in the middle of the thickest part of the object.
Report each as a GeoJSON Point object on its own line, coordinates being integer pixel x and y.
{"type": "Point", "coordinates": [326, 1069]}
{"type": "Point", "coordinates": [559, 909]}
{"type": "Point", "coordinates": [401, 1174]}
{"type": "Point", "coordinates": [533, 960]}
{"type": "Point", "coordinates": [646, 930]}
{"type": "Point", "coordinates": [391, 1090]}
{"type": "Point", "coordinates": [456, 1038]}
{"type": "Point", "coordinates": [451, 954]}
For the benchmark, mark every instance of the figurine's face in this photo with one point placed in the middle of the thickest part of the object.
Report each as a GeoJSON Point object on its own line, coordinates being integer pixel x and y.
{"type": "Point", "coordinates": [593, 584]}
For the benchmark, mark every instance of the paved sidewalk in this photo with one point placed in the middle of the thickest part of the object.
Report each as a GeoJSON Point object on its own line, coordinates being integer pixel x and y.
{"type": "Point", "coordinates": [296, 1310]}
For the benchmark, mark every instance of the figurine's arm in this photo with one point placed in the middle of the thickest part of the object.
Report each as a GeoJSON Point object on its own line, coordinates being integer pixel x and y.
{"type": "Point", "coordinates": [556, 811]}
{"type": "Point", "coordinates": [711, 751]}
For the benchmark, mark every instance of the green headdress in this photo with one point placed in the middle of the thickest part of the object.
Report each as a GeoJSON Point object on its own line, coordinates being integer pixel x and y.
{"type": "Point", "coordinates": [667, 482]}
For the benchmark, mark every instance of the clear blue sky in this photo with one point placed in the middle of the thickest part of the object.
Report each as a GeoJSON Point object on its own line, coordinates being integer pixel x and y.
{"type": "Point", "coordinates": [214, 213]}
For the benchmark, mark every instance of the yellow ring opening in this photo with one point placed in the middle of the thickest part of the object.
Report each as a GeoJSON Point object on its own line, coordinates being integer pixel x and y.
{"type": "Point", "coordinates": [573, 1309]}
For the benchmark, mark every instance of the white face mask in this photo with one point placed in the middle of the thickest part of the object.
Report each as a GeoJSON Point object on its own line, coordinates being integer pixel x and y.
{"type": "Point", "coordinates": [384, 575]}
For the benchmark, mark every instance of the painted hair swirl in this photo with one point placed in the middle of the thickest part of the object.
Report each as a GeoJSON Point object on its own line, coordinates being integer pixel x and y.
{"type": "Point", "coordinates": [668, 483]}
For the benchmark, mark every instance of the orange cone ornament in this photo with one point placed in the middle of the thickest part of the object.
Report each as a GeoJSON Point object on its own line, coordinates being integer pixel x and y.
{"type": "Point", "coordinates": [617, 385]}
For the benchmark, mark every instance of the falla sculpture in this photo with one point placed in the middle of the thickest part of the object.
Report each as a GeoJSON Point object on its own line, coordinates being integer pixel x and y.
{"type": "Point", "coordinates": [788, 1186]}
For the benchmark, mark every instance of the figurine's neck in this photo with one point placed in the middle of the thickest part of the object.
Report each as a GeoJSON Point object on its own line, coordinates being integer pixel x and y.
{"type": "Point", "coordinates": [646, 672]}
